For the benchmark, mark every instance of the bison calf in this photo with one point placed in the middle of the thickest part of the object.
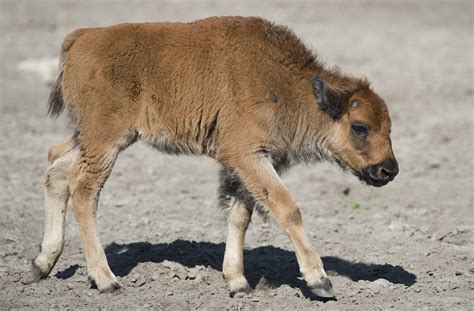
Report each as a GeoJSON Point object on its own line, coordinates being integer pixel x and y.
{"type": "Point", "coordinates": [243, 91]}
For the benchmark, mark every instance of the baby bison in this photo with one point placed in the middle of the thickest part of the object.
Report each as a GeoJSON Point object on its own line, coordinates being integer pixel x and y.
{"type": "Point", "coordinates": [243, 91]}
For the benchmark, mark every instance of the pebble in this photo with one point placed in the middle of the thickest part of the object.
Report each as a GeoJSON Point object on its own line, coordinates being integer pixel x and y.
{"type": "Point", "coordinates": [199, 279]}
{"type": "Point", "coordinates": [352, 293]}
{"type": "Point", "coordinates": [415, 288]}
{"type": "Point", "coordinates": [379, 284]}
{"type": "Point", "coordinates": [168, 264]}
{"type": "Point", "coordinates": [177, 270]}
{"type": "Point", "coordinates": [140, 281]}
{"type": "Point", "coordinates": [191, 275]}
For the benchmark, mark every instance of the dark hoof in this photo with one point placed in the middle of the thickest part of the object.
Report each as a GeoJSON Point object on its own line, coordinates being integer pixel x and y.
{"type": "Point", "coordinates": [37, 273]}
{"type": "Point", "coordinates": [112, 288]}
{"type": "Point", "coordinates": [324, 290]}
{"type": "Point", "coordinates": [241, 292]}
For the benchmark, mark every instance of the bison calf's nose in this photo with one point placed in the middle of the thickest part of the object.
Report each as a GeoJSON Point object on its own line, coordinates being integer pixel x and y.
{"type": "Point", "coordinates": [381, 173]}
{"type": "Point", "coordinates": [387, 170]}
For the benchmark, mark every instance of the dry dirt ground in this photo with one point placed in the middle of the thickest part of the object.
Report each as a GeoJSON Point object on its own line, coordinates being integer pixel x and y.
{"type": "Point", "coordinates": [406, 246]}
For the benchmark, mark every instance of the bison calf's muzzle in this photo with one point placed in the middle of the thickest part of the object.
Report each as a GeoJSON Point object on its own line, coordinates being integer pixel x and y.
{"type": "Point", "coordinates": [381, 173]}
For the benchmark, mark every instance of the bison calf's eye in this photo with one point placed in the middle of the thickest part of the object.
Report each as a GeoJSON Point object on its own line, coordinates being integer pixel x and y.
{"type": "Point", "coordinates": [360, 129]}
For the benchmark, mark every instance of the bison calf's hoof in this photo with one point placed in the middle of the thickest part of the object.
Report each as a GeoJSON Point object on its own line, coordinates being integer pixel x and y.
{"type": "Point", "coordinates": [241, 292]}
{"type": "Point", "coordinates": [37, 273]}
{"type": "Point", "coordinates": [112, 288]}
{"type": "Point", "coordinates": [324, 289]}
{"type": "Point", "coordinates": [105, 283]}
{"type": "Point", "coordinates": [239, 288]}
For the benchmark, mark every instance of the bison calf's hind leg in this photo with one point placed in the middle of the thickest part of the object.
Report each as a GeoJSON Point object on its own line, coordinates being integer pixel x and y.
{"type": "Point", "coordinates": [87, 176]}
{"type": "Point", "coordinates": [237, 200]}
{"type": "Point", "coordinates": [56, 194]}
{"type": "Point", "coordinates": [233, 266]}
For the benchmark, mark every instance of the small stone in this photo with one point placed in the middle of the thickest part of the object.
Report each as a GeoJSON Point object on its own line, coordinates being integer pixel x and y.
{"type": "Point", "coordinates": [155, 276]}
{"type": "Point", "coordinates": [181, 274]}
{"type": "Point", "coordinates": [168, 264]}
{"type": "Point", "coordinates": [25, 280]}
{"type": "Point", "coordinates": [191, 275]}
{"type": "Point", "coordinates": [415, 288]}
{"type": "Point", "coordinates": [15, 278]}
{"type": "Point", "coordinates": [379, 284]}
{"type": "Point", "coordinates": [198, 279]}
{"type": "Point", "coordinates": [140, 281]}
{"type": "Point", "coordinates": [169, 293]}
{"type": "Point", "coordinates": [352, 293]}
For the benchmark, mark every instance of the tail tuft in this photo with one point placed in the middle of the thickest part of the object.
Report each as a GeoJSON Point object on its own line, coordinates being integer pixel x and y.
{"type": "Point", "coordinates": [56, 103]}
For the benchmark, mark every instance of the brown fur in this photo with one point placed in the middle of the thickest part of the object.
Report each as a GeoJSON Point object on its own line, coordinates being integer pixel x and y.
{"type": "Point", "coordinates": [241, 90]}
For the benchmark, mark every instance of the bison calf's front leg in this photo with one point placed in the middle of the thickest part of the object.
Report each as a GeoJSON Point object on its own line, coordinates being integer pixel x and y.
{"type": "Point", "coordinates": [86, 180]}
{"type": "Point", "coordinates": [263, 181]}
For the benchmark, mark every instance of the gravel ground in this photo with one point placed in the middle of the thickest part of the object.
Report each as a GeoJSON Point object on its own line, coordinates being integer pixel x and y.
{"type": "Point", "coordinates": [408, 245]}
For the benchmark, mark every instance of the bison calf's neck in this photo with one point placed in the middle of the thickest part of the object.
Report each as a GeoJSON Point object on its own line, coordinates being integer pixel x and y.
{"type": "Point", "coordinates": [241, 90]}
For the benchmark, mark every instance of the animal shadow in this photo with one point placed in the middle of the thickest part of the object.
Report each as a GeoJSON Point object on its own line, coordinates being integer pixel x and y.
{"type": "Point", "coordinates": [277, 266]}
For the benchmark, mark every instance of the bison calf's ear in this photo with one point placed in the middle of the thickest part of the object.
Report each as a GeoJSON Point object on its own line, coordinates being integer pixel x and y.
{"type": "Point", "coordinates": [327, 99]}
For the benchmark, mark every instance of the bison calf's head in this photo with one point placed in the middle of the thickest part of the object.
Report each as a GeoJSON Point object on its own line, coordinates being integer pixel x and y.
{"type": "Point", "coordinates": [359, 135]}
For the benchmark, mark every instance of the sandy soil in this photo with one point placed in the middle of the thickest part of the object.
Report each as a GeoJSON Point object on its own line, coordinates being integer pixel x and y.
{"type": "Point", "coordinates": [408, 245]}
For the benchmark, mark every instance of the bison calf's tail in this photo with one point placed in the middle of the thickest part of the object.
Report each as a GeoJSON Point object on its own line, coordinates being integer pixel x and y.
{"type": "Point", "coordinates": [56, 103]}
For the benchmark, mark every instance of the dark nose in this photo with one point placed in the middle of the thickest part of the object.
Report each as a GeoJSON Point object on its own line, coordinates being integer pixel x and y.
{"type": "Point", "coordinates": [385, 170]}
